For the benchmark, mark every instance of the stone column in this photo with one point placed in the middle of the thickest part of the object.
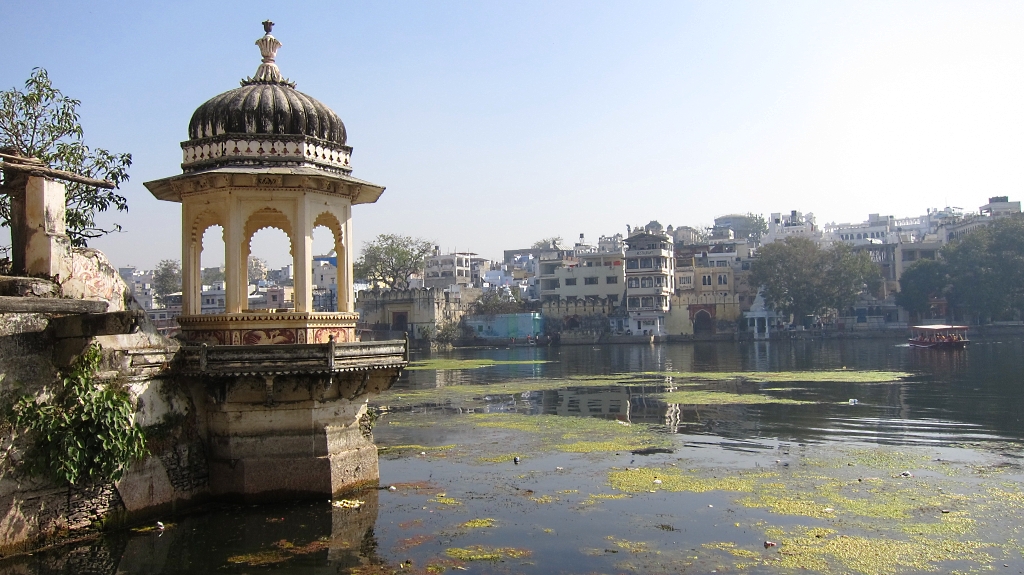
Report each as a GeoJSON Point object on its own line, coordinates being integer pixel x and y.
{"type": "Point", "coordinates": [233, 263]}
{"type": "Point", "coordinates": [345, 270]}
{"type": "Point", "coordinates": [339, 280]}
{"type": "Point", "coordinates": [47, 249]}
{"type": "Point", "coordinates": [189, 297]}
{"type": "Point", "coordinates": [302, 258]}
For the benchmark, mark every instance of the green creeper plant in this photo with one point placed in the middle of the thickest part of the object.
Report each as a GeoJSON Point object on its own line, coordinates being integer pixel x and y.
{"type": "Point", "coordinates": [84, 432]}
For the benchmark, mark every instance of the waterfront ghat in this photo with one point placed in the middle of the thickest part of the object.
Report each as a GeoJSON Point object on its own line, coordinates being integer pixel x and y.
{"type": "Point", "coordinates": [809, 456]}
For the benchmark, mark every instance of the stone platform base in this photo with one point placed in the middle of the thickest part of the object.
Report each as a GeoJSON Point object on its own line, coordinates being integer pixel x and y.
{"type": "Point", "coordinates": [268, 327]}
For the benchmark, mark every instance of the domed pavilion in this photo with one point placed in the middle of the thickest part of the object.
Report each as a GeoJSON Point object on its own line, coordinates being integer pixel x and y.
{"type": "Point", "coordinates": [265, 155]}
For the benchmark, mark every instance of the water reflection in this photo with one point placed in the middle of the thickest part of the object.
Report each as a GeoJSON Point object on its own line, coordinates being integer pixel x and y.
{"type": "Point", "coordinates": [968, 397]}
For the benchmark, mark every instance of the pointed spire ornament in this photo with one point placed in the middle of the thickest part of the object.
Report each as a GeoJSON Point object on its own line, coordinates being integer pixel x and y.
{"type": "Point", "coordinates": [268, 72]}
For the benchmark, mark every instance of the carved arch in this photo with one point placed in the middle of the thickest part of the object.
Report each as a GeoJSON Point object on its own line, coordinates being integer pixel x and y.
{"type": "Point", "coordinates": [262, 219]}
{"type": "Point", "coordinates": [330, 221]}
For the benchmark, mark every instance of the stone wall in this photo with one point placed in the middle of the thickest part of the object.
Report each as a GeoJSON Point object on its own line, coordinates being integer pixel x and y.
{"type": "Point", "coordinates": [31, 354]}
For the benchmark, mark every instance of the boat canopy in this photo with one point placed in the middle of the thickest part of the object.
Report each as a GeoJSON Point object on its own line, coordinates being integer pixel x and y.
{"type": "Point", "coordinates": [940, 327]}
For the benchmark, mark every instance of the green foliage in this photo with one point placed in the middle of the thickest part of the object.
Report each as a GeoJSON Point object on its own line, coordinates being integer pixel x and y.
{"type": "Point", "coordinates": [447, 332]}
{"type": "Point", "coordinates": [389, 260]}
{"type": "Point", "coordinates": [166, 278]}
{"type": "Point", "coordinates": [212, 275]}
{"type": "Point", "coordinates": [800, 278]}
{"type": "Point", "coordinates": [924, 279]}
{"type": "Point", "coordinates": [986, 269]}
{"type": "Point", "coordinates": [547, 243]}
{"type": "Point", "coordinates": [758, 226]}
{"type": "Point", "coordinates": [498, 301]}
{"type": "Point", "coordinates": [84, 432]}
{"type": "Point", "coordinates": [42, 123]}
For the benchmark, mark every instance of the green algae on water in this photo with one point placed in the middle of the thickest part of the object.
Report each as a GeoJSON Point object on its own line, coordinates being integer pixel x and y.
{"type": "Point", "coordinates": [412, 447]}
{"type": "Point", "coordinates": [482, 523]}
{"type": "Point", "coordinates": [697, 397]}
{"type": "Point", "coordinates": [483, 553]}
{"type": "Point", "coordinates": [574, 434]}
{"type": "Point", "coordinates": [643, 479]}
{"type": "Point", "coordinates": [836, 376]}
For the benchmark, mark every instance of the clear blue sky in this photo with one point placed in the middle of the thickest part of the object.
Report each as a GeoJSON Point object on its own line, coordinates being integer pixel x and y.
{"type": "Point", "coordinates": [494, 124]}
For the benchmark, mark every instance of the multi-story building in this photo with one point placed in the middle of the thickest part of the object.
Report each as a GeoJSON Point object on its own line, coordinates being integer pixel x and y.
{"type": "Point", "coordinates": [325, 283]}
{"type": "Point", "coordinates": [650, 281]}
{"type": "Point", "coordinates": [443, 270]}
{"type": "Point", "coordinates": [212, 298]}
{"type": "Point", "coordinates": [595, 277]}
{"type": "Point", "coordinates": [140, 283]}
{"type": "Point", "coordinates": [794, 224]}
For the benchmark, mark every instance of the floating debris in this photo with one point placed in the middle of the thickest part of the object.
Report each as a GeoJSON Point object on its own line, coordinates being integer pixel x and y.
{"type": "Point", "coordinates": [348, 503]}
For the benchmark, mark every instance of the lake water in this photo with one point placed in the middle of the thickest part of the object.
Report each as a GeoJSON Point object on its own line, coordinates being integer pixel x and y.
{"type": "Point", "coordinates": [821, 456]}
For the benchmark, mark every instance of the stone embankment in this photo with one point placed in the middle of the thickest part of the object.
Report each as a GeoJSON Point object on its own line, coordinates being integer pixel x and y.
{"type": "Point", "coordinates": [39, 333]}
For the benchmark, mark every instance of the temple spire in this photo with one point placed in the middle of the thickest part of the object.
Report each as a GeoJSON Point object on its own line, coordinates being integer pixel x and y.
{"type": "Point", "coordinates": [268, 72]}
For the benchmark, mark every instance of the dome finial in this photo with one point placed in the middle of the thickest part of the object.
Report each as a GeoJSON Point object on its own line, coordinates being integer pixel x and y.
{"type": "Point", "coordinates": [268, 72]}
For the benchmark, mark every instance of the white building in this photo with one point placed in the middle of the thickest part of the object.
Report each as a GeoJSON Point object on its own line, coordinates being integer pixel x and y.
{"type": "Point", "coordinates": [650, 263]}
{"type": "Point", "coordinates": [793, 224]}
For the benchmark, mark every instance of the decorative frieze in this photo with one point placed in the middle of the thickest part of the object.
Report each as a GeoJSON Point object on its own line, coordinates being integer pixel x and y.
{"type": "Point", "coordinates": [261, 150]}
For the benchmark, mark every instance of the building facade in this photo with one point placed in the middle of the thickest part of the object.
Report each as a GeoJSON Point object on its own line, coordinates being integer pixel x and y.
{"type": "Point", "coordinates": [650, 281]}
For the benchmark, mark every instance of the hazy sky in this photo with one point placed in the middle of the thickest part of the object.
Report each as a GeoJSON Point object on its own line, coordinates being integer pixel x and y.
{"type": "Point", "coordinates": [494, 124]}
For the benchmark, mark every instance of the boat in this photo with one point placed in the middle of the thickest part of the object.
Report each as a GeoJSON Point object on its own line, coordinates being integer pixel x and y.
{"type": "Point", "coordinates": [939, 336]}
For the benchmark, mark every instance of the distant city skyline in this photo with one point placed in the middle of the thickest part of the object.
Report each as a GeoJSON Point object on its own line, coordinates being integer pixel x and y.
{"type": "Point", "coordinates": [495, 125]}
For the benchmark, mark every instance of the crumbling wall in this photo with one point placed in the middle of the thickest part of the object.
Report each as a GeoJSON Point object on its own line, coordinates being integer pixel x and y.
{"type": "Point", "coordinates": [32, 509]}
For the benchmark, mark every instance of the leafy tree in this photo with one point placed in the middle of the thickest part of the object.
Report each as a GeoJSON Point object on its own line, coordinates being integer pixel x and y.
{"type": "Point", "coordinates": [42, 123]}
{"type": "Point", "coordinates": [390, 259]}
{"type": "Point", "coordinates": [800, 278]}
{"type": "Point", "coordinates": [920, 282]}
{"type": "Point", "coordinates": [986, 269]}
{"type": "Point", "coordinates": [212, 275]}
{"type": "Point", "coordinates": [758, 226]}
{"type": "Point", "coordinates": [498, 301]}
{"type": "Point", "coordinates": [447, 332]}
{"type": "Point", "coordinates": [845, 274]}
{"type": "Point", "coordinates": [257, 269]}
{"type": "Point", "coordinates": [547, 243]}
{"type": "Point", "coordinates": [166, 279]}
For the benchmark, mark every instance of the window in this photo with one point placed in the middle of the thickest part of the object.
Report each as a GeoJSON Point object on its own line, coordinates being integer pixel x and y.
{"type": "Point", "coordinates": [632, 264]}
{"type": "Point", "coordinates": [705, 280]}
{"type": "Point", "coordinates": [611, 280]}
{"type": "Point", "coordinates": [632, 282]}
{"type": "Point", "coordinates": [647, 301]}
{"type": "Point", "coordinates": [721, 264]}
{"type": "Point", "coordinates": [659, 281]}
{"type": "Point", "coordinates": [613, 299]}
{"type": "Point", "coordinates": [662, 301]}
{"type": "Point", "coordinates": [592, 300]}
{"type": "Point", "coordinates": [723, 279]}
{"type": "Point", "coordinates": [646, 281]}
{"type": "Point", "coordinates": [633, 302]}
{"type": "Point", "coordinates": [685, 280]}
{"type": "Point", "coordinates": [745, 266]}
{"type": "Point", "coordinates": [590, 264]}
{"type": "Point", "coordinates": [646, 263]}
{"type": "Point", "coordinates": [570, 281]}
{"type": "Point", "coordinates": [273, 297]}
{"type": "Point", "coordinates": [590, 281]}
